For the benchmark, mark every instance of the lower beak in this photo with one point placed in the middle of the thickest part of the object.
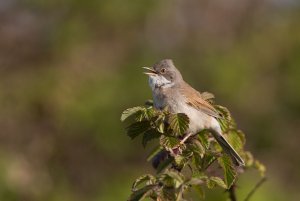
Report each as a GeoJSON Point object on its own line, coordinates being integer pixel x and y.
{"type": "Point", "coordinates": [150, 71]}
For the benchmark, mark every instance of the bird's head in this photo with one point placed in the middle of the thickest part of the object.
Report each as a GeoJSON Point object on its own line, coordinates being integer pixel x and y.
{"type": "Point", "coordinates": [163, 74]}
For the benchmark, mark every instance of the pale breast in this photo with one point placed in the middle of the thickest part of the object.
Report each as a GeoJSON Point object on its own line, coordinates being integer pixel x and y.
{"type": "Point", "coordinates": [198, 119]}
{"type": "Point", "coordinates": [176, 103]}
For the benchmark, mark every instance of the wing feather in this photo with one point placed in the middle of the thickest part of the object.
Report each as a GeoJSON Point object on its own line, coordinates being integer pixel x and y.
{"type": "Point", "coordinates": [194, 99]}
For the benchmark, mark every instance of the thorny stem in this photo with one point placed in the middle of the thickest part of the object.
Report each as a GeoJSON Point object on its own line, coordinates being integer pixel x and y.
{"type": "Point", "coordinates": [232, 194]}
{"type": "Point", "coordinates": [255, 188]}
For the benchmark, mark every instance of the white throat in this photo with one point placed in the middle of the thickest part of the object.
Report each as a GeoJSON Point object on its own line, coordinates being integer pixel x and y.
{"type": "Point", "coordinates": [158, 81]}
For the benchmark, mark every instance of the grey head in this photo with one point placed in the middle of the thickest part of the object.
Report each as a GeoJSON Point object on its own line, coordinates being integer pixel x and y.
{"type": "Point", "coordinates": [163, 74]}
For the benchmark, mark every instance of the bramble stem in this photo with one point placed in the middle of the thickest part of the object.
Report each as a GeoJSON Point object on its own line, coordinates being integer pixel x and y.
{"type": "Point", "coordinates": [259, 183]}
{"type": "Point", "coordinates": [232, 194]}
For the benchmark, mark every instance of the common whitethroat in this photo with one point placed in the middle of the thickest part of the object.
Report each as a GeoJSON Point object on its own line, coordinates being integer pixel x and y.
{"type": "Point", "coordinates": [171, 91]}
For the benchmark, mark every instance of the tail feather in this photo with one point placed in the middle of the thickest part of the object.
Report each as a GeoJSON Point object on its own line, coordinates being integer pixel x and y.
{"type": "Point", "coordinates": [228, 149]}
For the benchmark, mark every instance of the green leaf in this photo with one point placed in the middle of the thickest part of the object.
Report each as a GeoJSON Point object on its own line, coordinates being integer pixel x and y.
{"type": "Point", "coordinates": [142, 179]}
{"type": "Point", "coordinates": [150, 135]}
{"type": "Point", "coordinates": [173, 178]}
{"type": "Point", "coordinates": [130, 111]}
{"type": "Point", "coordinates": [228, 169]}
{"type": "Point", "coordinates": [224, 112]}
{"type": "Point", "coordinates": [207, 160]}
{"type": "Point", "coordinates": [227, 121]}
{"type": "Point", "coordinates": [197, 148]}
{"type": "Point", "coordinates": [234, 138]}
{"type": "Point", "coordinates": [169, 142]}
{"type": "Point", "coordinates": [179, 123]}
{"type": "Point", "coordinates": [137, 128]}
{"type": "Point", "coordinates": [160, 123]}
{"type": "Point", "coordinates": [142, 193]}
{"type": "Point", "coordinates": [203, 137]}
{"type": "Point", "coordinates": [145, 114]}
{"type": "Point", "coordinates": [180, 160]}
{"type": "Point", "coordinates": [217, 181]}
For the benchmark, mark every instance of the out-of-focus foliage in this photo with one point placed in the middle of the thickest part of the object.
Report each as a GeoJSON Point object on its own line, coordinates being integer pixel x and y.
{"type": "Point", "coordinates": [187, 160]}
{"type": "Point", "coordinates": [68, 68]}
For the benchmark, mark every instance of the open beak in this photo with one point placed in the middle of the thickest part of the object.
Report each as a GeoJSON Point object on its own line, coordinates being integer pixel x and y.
{"type": "Point", "coordinates": [150, 71]}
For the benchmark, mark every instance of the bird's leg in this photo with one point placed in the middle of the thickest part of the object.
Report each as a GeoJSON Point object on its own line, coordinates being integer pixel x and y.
{"type": "Point", "coordinates": [178, 149]}
{"type": "Point", "coordinates": [186, 138]}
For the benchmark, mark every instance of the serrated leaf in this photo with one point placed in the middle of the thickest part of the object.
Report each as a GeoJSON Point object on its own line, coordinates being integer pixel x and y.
{"type": "Point", "coordinates": [176, 176]}
{"type": "Point", "coordinates": [145, 114]}
{"type": "Point", "coordinates": [218, 181]}
{"type": "Point", "coordinates": [228, 170]}
{"type": "Point", "coordinates": [160, 123]}
{"type": "Point", "coordinates": [129, 112]}
{"type": "Point", "coordinates": [143, 179]}
{"type": "Point", "coordinates": [150, 135]}
{"type": "Point", "coordinates": [180, 160]}
{"type": "Point", "coordinates": [234, 139]}
{"type": "Point", "coordinates": [227, 121]}
{"type": "Point", "coordinates": [169, 142]}
{"type": "Point", "coordinates": [203, 138]}
{"type": "Point", "coordinates": [224, 112]}
{"type": "Point", "coordinates": [197, 162]}
{"type": "Point", "coordinates": [179, 123]}
{"type": "Point", "coordinates": [137, 128]}
{"type": "Point", "coordinates": [197, 148]}
{"type": "Point", "coordinates": [207, 160]}
{"type": "Point", "coordinates": [141, 193]}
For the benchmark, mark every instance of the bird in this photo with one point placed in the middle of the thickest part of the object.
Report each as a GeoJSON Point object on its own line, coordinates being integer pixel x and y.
{"type": "Point", "coordinates": [169, 90]}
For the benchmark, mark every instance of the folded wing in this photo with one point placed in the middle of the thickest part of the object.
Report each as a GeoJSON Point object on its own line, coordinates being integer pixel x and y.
{"type": "Point", "coordinates": [196, 100]}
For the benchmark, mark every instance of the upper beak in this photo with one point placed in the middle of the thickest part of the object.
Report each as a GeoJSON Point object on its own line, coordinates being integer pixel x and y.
{"type": "Point", "coordinates": [150, 71]}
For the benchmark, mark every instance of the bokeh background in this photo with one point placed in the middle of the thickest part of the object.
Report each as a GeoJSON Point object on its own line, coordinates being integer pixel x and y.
{"type": "Point", "coordinates": [68, 68]}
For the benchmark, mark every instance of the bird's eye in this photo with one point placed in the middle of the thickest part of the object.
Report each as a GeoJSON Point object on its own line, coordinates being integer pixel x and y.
{"type": "Point", "coordinates": [163, 70]}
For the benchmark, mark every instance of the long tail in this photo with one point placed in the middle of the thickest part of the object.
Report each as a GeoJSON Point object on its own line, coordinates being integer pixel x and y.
{"type": "Point", "coordinates": [228, 149]}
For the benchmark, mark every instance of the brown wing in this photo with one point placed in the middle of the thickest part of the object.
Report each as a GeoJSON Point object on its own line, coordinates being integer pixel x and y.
{"type": "Point", "coordinates": [194, 99]}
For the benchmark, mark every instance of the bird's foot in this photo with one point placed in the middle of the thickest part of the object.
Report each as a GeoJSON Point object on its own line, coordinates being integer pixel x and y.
{"type": "Point", "coordinates": [178, 148]}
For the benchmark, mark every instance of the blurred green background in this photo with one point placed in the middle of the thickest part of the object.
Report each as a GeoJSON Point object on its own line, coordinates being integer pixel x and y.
{"type": "Point", "coordinates": [68, 68]}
